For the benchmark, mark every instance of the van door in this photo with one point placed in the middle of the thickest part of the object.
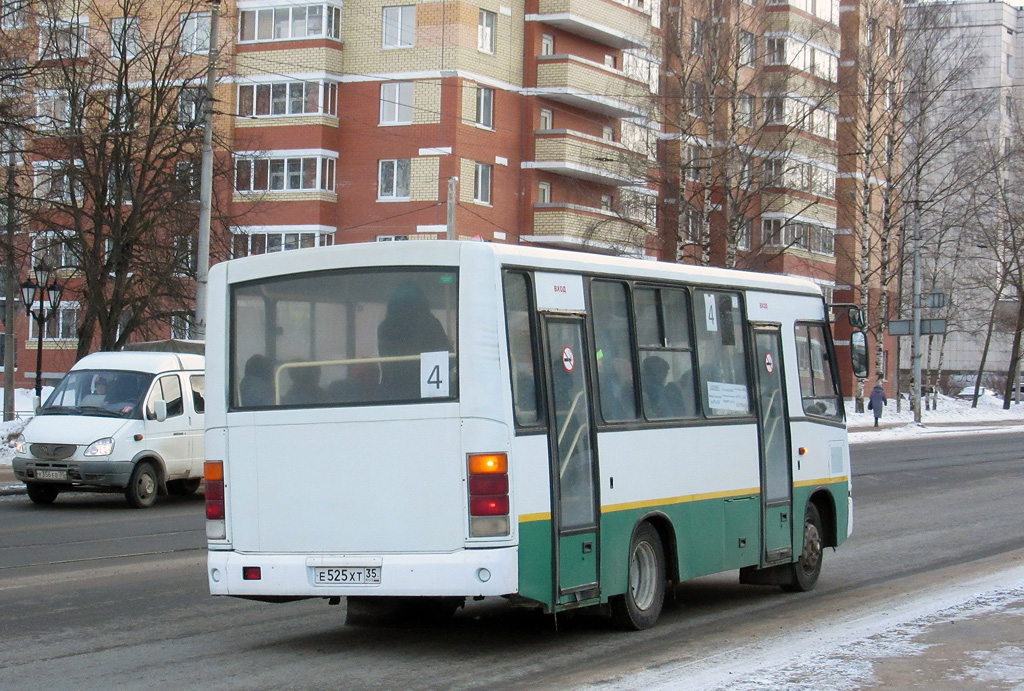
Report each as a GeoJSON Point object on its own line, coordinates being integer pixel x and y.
{"type": "Point", "coordinates": [573, 461]}
{"type": "Point", "coordinates": [169, 439]}
{"type": "Point", "coordinates": [776, 473]}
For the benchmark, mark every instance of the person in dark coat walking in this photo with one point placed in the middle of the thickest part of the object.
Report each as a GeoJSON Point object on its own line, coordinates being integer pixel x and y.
{"type": "Point", "coordinates": [877, 401]}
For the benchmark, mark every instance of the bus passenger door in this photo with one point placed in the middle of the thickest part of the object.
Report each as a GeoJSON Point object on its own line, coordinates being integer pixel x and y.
{"type": "Point", "coordinates": [573, 462]}
{"type": "Point", "coordinates": [776, 474]}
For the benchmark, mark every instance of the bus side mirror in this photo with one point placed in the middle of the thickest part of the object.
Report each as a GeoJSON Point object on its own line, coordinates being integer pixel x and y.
{"type": "Point", "coordinates": [856, 317]}
{"type": "Point", "coordinates": [160, 410]}
{"type": "Point", "coordinates": [859, 354]}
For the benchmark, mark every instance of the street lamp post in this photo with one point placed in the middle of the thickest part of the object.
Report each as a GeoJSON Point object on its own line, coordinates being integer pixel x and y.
{"type": "Point", "coordinates": [47, 293]}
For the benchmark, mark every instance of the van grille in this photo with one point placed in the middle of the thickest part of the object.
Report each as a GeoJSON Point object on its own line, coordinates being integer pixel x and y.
{"type": "Point", "coordinates": [57, 452]}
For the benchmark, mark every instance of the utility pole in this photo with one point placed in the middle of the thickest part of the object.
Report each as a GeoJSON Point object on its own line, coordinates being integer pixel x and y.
{"type": "Point", "coordinates": [915, 348]}
{"type": "Point", "coordinates": [206, 178]}
{"type": "Point", "coordinates": [452, 185]}
{"type": "Point", "coordinates": [10, 286]}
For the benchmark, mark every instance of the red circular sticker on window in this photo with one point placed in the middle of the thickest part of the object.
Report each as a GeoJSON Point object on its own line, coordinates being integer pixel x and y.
{"type": "Point", "coordinates": [769, 363]}
{"type": "Point", "coordinates": [568, 359]}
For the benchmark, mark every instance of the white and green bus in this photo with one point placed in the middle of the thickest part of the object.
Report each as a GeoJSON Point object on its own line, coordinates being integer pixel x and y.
{"type": "Point", "coordinates": [424, 422]}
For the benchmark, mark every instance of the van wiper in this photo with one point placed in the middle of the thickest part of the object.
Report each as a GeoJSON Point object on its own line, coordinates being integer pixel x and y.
{"type": "Point", "coordinates": [58, 410]}
{"type": "Point", "coordinates": [98, 411]}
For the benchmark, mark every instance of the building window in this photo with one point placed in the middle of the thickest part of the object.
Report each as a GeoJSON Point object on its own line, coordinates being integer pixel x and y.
{"type": "Point", "coordinates": [694, 161]}
{"type": "Point", "coordinates": [608, 133]}
{"type": "Point", "coordinates": [743, 233]}
{"type": "Point", "coordinates": [543, 192]}
{"type": "Point", "coordinates": [696, 97]}
{"type": "Point", "coordinates": [697, 33]}
{"type": "Point", "coordinates": [890, 41]}
{"type": "Point", "coordinates": [120, 185]}
{"type": "Point", "coordinates": [747, 48]}
{"type": "Point", "coordinates": [547, 119]}
{"type": "Point", "coordinates": [284, 174]}
{"type": "Point", "coordinates": [396, 103]}
{"type": "Point", "coordinates": [264, 242]}
{"type": "Point", "coordinates": [182, 325]}
{"type": "Point", "coordinates": [771, 172]}
{"type": "Point", "coordinates": [62, 327]}
{"type": "Point", "coordinates": [400, 26]}
{"type": "Point", "coordinates": [58, 183]}
{"type": "Point", "coordinates": [53, 248]}
{"type": "Point", "coordinates": [485, 106]}
{"type": "Point", "coordinates": [65, 38]}
{"type": "Point", "coordinates": [776, 51]}
{"type": "Point", "coordinates": [190, 106]}
{"type": "Point", "coordinates": [394, 179]}
{"type": "Point", "coordinates": [289, 23]}
{"type": "Point", "coordinates": [606, 202]}
{"type": "Point", "coordinates": [184, 256]}
{"type": "Point", "coordinates": [547, 44]}
{"type": "Point", "coordinates": [609, 61]}
{"type": "Point", "coordinates": [14, 14]}
{"type": "Point", "coordinates": [186, 181]}
{"type": "Point", "coordinates": [482, 183]}
{"type": "Point", "coordinates": [745, 110]}
{"type": "Point", "coordinates": [287, 98]}
{"type": "Point", "coordinates": [195, 32]}
{"type": "Point", "coordinates": [53, 111]}
{"type": "Point", "coordinates": [771, 232]}
{"type": "Point", "coordinates": [125, 37]}
{"type": "Point", "coordinates": [774, 110]}
{"type": "Point", "coordinates": [689, 225]}
{"type": "Point", "coordinates": [485, 34]}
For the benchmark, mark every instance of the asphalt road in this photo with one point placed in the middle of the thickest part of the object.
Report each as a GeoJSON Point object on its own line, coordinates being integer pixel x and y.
{"type": "Point", "coordinates": [94, 594]}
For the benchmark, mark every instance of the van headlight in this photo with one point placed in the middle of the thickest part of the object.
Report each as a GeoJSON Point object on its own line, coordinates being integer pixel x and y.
{"type": "Point", "coordinates": [19, 444]}
{"type": "Point", "coordinates": [101, 447]}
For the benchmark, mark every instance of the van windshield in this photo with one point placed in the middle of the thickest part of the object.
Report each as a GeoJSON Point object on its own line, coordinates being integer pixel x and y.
{"type": "Point", "coordinates": [101, 393]}
{"type": "Point", "coordinates": [349, 337]}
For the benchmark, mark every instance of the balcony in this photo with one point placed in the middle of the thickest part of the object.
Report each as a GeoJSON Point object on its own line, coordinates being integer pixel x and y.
{"type": "Point", "coordinates": [588, 158]}
{"type": "Point", "coordinates": [605, 21]}
{"type": "Point", "coordinates": [572, 226]}
{"type": "Point", "coordinates": [590, 86]}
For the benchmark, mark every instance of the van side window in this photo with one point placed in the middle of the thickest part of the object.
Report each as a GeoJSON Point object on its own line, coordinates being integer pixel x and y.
{"type": "Point", "coordinates": [721, 353]}
{"type": "Point", "coordinates": [198, 382]}
{"type": "Point", "coordinates": [169, 389]}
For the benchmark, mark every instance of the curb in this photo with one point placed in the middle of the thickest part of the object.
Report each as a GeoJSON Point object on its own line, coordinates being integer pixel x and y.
{"type": "Point", "coordinates": [11, 490]}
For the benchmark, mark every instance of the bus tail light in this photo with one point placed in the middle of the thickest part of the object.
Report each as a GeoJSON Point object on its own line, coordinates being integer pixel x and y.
{"type": "Point", "coordinates": [488, 495]}
{"type": "Point", "coordinates": [213, 474]}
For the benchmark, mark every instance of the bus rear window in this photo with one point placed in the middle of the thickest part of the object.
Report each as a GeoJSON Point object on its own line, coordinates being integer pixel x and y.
{"type": "Point", "coordinates": [352, 337]}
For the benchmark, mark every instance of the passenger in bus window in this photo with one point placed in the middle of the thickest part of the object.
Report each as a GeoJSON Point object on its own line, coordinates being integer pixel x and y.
{"type": "Point", "coordinates": [305, 387]}
{"type": "Point", "coordinates": [257, 387]}
{"type": "Point", "coordinates": [358, 387]}
{"type": "Point", "coordinates": [661, 400]}
{"type": "Point", "coordinates": [409, 328]}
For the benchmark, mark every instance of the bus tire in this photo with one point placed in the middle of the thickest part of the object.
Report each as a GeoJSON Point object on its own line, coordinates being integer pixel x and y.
{"type": "Point", "coordinates": [639, 607]}
{"type": "Point", "coordinates": [142, 486]}
{"type": "Point", "coordinates": [183, 488]}
{"type": "Point", "coordinates": [42, 494]}
{"type": "Point", "coordinates": [807, 568]}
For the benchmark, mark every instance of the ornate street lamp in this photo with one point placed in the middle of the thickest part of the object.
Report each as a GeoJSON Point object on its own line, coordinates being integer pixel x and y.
{"type": "Point", "coordinates": [47, 293]}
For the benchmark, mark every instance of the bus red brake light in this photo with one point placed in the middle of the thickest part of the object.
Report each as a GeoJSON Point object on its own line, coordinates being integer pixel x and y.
{"type": "Point", "coordinates": [488, 495]}
{"type": "Point", "coordinates": [213, 474]}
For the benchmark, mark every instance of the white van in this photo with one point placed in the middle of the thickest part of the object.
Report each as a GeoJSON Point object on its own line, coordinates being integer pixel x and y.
{"type": "Point", "coordinates": [118, 421]}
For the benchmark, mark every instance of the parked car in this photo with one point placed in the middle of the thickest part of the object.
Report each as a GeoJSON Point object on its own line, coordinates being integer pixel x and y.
{"type": "Point", "coordinates": [127, 422]}
{"type": "Point", "coordinates": [968, 392]}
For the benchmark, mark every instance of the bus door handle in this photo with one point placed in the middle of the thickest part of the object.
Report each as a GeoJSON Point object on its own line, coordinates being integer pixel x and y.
{"type": "Point", "coordinates": [588, 547]}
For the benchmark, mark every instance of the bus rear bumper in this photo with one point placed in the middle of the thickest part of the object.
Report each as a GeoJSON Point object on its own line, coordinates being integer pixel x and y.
{"type": "Point", "coordinates": [468, 572]}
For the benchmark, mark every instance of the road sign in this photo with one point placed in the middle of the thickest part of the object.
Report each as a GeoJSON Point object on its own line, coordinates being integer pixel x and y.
{"type": "Point", "coordinates": [905, 327]}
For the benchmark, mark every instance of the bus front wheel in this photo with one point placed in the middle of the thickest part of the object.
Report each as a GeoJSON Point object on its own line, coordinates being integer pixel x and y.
{"type": "Point", "coordinates": [807, 569]}
{"type": "Point", "coordinates": [638, 608]}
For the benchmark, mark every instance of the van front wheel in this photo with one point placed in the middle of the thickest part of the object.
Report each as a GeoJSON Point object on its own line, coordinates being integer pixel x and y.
{"type": "Point", "coordinates": [143, 486]}
{"type": "Point", "coordinates": [42, 494]}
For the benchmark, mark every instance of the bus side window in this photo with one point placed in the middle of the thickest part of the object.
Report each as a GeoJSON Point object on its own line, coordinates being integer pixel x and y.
{"type": "Point", "coordinates": [818, 389]}
{"type": "Point", "coordinates": [666, 353]}
{"type": "Point", "coordinates": [613, 352]}
{"type": "Point", "coordinates": [521, 338]}
{"type": "Point", "coordinates": [721, 353]}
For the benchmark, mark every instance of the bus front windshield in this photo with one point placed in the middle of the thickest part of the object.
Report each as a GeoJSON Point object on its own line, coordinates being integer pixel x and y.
{"type": "Point", "coordinates": [347, 337]}
{"type": "Point", "coordinates": [101, 393]}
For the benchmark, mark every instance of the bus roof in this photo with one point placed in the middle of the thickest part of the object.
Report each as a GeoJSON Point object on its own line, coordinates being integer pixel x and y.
{"type": "Point", "coordinates": [443, 252]}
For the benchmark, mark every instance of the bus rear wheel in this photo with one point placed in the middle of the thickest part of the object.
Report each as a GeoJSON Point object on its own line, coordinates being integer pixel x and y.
{"type": "Point", "coordinates": [807, 568]}
{"type": "Point", "coordinates": [639, 607]}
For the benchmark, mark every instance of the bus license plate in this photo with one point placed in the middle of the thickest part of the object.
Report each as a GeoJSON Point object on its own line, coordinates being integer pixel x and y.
{"type": "Point", "coordinates": [51, 474]}
{"type": "Point", "coordinates": [346, 575]}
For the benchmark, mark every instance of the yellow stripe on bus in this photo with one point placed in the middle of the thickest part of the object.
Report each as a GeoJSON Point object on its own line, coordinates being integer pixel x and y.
{"type": "Point", "coordinates": [546, 515]}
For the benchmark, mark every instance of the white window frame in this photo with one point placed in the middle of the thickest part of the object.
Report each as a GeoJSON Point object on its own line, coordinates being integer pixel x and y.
{"type": "Point", "coordinates": [53, 35]}
{"type": "Point", "coordinates": [483, 175]}
{"type": "Point", "coordinates": [272, 239]}
{"type": "Point", "coordinates": [195, 33]}
{"type": "Point", "coordinates": [775, 51]}
{"type": "Point", "coordinates": [485, 107]}
{"type": "Point", "coordinates": [128, 29]}
{"type": "Point", "coordinates": [396, 103]}
{"type": "Point", "coordinates": [547, 119]}
{"type": "Point", "coordinates": [44, 242]}
{"type": "Point", "coordinates": [543, 192]}
{"type": "Point", "coordinates": [46, 172]}
{"type": "Point", "coordinates": [747, 48]}
{"type": "Point", "coordinates": [399, 187]}
{"type": "Point", "coordinates": [745, 110]}
{"type": "Point", "coordinates": [190, 106]}
{"type": "Point", "coordinates": [547, 44]}
{"type": "Point", "coordinates": [15, 14]}
{"type": "Point", "coordinates": [402, 31]}
{"type": "Point", "coordinates": [283, 170]}
{"type": "Point", "coordinates": [743, 233]}
{"type": "Point", "coordinates": [63, 324]}
{"type": "Point", "coordinates": [264, 24]}
{"type": "Point", "coordinates": [486, 32]}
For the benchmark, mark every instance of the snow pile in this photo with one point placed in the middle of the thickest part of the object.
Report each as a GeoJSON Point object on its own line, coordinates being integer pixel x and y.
{"type": "Point", "coordinates": [948, 410]}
